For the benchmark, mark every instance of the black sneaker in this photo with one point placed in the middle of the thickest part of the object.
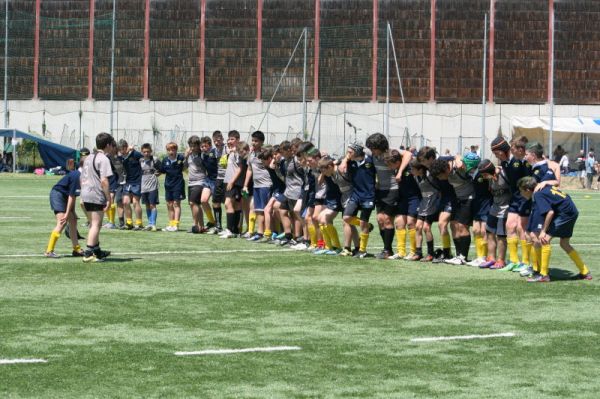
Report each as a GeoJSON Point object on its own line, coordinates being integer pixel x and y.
{"type": "Point", "coordinates": [360, 255]}
{"type": "Point", "coordinates": [383, 254]}
{"type": "Point", "coordinates": [102, 254]}
{"type": "Point", "coordinates": [77, 254]}
{"type": "Point", "coordinates": [284, 242]}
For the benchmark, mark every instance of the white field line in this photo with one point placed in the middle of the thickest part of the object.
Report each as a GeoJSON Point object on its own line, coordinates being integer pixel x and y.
{"type": "Point", "coordinates": [15, 217]}
{"type": "Point", "coordinates": [217, 251]}
{"type": "Point", "coordinates": [245, 350]}
{"type": "Point", "coordinates": [23, 196]}
{"type": "Point", "coordinates": [18, 361]}
{"type": "Point", "coordinates": [463, 337]}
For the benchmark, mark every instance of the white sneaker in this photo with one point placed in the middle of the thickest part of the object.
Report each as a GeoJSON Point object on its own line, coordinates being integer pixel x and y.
{"type": "Point", "coordinates": [476, 262]}
{"type": "Point", "coordinates": [224, 232]}
{"type": "Point", "coordinates": [300, 246]}
{"type": "Point", "coordinates": [409, 256]}
{"type": "Point", "coordinates": [457, 260]}
{"type": "Point", "coordinates": [395, 256]}
{"type": "Point", "coordinates": [228, 235]}
{"type": "Point", "coordinates": [246, 235]}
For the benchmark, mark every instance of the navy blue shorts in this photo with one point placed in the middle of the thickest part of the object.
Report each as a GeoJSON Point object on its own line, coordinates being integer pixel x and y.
{"type": "Point", "coordinates": [334, 205]}
{"type": "Point", "coordinates": [119, 194]}
{"type": "Point", "coordinates": [352, 208]}
{"type": "Point", "coordinates": [113, 184]}
{"type": "Point", "coordinates": [58, 201]}
{"type": "Point", "coordinates": [177, 194]}
{"type": "Point", "coordinates": [519, 205]}
{"type": "Point", "coordinates": [446, 205]}
{"type": "Point", "coordinates": [262, 195]}
{"type": "Point", "coordinates": [430, 219]}
{"type": "Point", "coordinates": [409, 206]}
{"type": "Point", "coordinates": [320, 202]}
{"type": "Point", "coordinates": [133, 189]}
{"type": "Point", "coordinates": [496, 226]}
{"type": "Point", "coordinates": [219, 193]}
{"type": "Point", "coordinates": [481, 209]}
{"type": "Point", "coordinates": [150, 198]}
{"type": "Point", "coordinates": [562, 227]}
{"type": "Point", "coordinates": [210, 184]}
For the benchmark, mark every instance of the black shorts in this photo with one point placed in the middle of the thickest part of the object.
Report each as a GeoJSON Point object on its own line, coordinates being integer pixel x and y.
{"type": "Point", "coordinates": [150, 198]}
{"type": "Point", "coordinates": [352, 208]}
{"type": "Point", "coordinates": [496, 226]}
{"type": "Point", "coordinates": [462, 212]}
{"type": "Point", "coordinates": [320, 202]}
{"type": "Point", "coordinates": [89, 207]}
{"type": "Point", "coordinates": [235, 193]}
{"type": "Point", "coordinates": [58, 201]}
{"type": "Point", "coordinates": [409, 206]}
{"type": "Point", "coordinates": [430, 219]}
{"type": "Point", "coordinates": [195, 194]}
{"type": "Point", "coordinates": [119, 194]}
{"type": "Point", "coordinates": [387, 202]}
{"type": "Point", "coordinates": [219, 194]}
{"type": "Point", "coordinates": [480, 209]}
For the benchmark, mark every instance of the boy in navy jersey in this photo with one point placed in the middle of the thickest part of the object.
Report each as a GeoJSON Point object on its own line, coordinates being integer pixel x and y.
{"type": "Point", "coordinates": [361, 171]}
{"type": "Point", "coordinates": [172, 166]}
{"type": "Point", "coordinates": [62, 201]}
{"type": "Point", "coordinates": [554, 215]}
{"type": "Point", "coordinates": [333, 205]}
{"type": "Point", "coordinates": [219, 195]}
{"type": "Point", "coordinates": [132, 190]}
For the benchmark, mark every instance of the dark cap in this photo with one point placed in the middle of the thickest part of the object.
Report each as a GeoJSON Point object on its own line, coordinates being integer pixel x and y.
{"type": "Point", "coordinates": [358, 149]}
{"type": "Point", "coordinates": [84, 152]}
{"type": "Point", "coordinates": [500, 144]}
{"type": "Point", "coordinates": [486, 166]}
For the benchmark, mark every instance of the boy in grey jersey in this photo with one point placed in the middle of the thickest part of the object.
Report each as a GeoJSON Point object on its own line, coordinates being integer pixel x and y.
{"type": "Point", "coordinates": [95, 193]}
{"type": "Point", "coordinates": [219, 195]}
{"type": "Point", "coordinates": [150, 170]}
{"type": "Point", "coordinates": [233, 194]}
{"type": "Point", "coordinates": [257, 174]}
{"type": "Point", "coordinates": [496, 222]}
{"type": "Point", "coordinates": [428, 210]}
{"type": "Point", "coordinates": [196, 176]}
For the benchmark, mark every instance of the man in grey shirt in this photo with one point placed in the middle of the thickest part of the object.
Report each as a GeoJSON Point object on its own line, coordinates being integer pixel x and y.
{"type": "Point", "coordinates": [95, 194]}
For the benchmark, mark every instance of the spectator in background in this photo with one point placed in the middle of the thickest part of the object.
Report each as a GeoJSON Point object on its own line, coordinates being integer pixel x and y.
{"type": "Point", "coordinates": [564, 164]}
{"type": "Point", "coordinates": [590, 168]}
{"type": "Point", "coordinates": [447, 152]}
{"type": "Point", "coordinates": [580, 162]}
{"type": "Point", "coordinates": [558, 154]}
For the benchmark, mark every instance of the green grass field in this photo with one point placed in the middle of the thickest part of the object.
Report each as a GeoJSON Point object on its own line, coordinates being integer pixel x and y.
{"type": "Point", "coordinates": [111, 329]}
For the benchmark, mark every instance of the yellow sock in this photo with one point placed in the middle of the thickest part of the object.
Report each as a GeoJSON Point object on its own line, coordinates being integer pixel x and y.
{"type": "Point", "coordinates": [77, 248]}
{"type": "Point", "coordinates": [129, 221]}
{"type": "Point", "coordinates": [211, 217]}
{"type": "Point", "coordinates": [545, 262]}
{"type": "Point", "coordinates": [138, 222]}
{"type": "Point", "coordinates": [312, 233]}
{"type": "Point", "coordinates": [578, 262]}
{"type": "Point", "coordinates": [326, 238]}
{"type": "Point", "coordinates": [355, 221]}
{"type": "Point", "coordinates": [412, 239]}
{"type": "Point", "coordinates": [446, 241]}
{"type": "Point", "coordinates": [536, 258]}
{"type": "Point", "coordinates": [176, 223]}
{"type": "Point", "coordinates": [268, 233]}
{"type": "Point", "coordinates": [54, 236]}
{"type": "Point", "coordinates": [112, 211]}
{"type": "Point", "coordinates": [364, 240]}
{"type": "Point", "coordinates": [401, 242]}
{"type": "Point", "coordinates": [513, 249]}
{"type": "Point", "coordinates": [526, 250]}
{"type": "Point", "coordinates": [171, 223]}
{"type": "Point", "coordinates": [251, 222]}
{"type": "Point", "coordinates": [333, 236]}
{"type": "Point", "coordinates": [479, 247]}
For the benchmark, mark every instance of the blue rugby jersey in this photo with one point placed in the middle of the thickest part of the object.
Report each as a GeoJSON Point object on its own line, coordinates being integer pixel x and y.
{"type": "Point", "coordinates": [69, 184]}
{"type": "Point", "coordinates": [514, 170]}
{"type": "Point", "coordinates": [362, 175]}
{"type": "Point", "coordinates": [173, 170]}
{"type": "Point", "coordinates": [541, 172]}
{"type": "Point", "coordinates": [551, 198]}
{"type": "Point", "coordinates": [210, 161]}
{"type": "Point", "coordinates": [132, 167]}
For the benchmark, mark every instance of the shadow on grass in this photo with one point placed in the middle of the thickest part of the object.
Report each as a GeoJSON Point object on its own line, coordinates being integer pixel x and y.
{"type": "Point", "coordinates": [562, 275]}
{"type": "Point", "coordinates": [114, 259]}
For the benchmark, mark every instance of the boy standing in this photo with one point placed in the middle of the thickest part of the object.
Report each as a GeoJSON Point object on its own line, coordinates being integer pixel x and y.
{"type": "Point", "coordinates": [95, 194]}
{"type": "Point", "coordinates": [259, 175]}
{"type": "Point", "coordinates": [150, 171]}
{"type": "Point", "coordinates": [172, 166]}
{"type": "Point", "coordinates": [132, 190]}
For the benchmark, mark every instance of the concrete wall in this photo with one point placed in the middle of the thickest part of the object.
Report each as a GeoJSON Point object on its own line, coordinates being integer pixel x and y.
{"type": "Point", "coordinates": [436, 124]}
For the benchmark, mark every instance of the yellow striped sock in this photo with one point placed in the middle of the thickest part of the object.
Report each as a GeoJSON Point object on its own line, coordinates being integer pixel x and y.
{"type": "Point", "coordinates": [251, 222]}
{"type": "Point", "coordinates": [211, 217]}
{"type": "Point", "coordinates": [545, 262]}
{"type": "Point", "coordinates": [333, 236]}
{"type": "Point", "coordinates": [54, 236]}
{"type": "Point", "coordinates": [312, 234]}
{"type": "Point", "coordinates": [578, 262]}
{"type": "Point", "coordinates": [446, 241]}
{"type": "Point", "coordinates": [513, 249]}
{"type": "Point", "coordinates": [355, 221]}
{"type": "Point", "coordinates": [412, 239]}
{"type": "Point", "coordinates": [364, 240]}
{"type": "Point", "coordinates": [326, 237]}
{"type": "Point", "coordinates": [401, 242]}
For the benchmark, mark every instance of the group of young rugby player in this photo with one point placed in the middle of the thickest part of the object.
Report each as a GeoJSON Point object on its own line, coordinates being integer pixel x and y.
{"type": "Point", "coordinates": [290, 194]}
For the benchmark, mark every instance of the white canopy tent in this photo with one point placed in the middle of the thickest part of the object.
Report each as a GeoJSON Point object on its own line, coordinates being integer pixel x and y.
{"type": "Point", "coordinates": [573, 134]}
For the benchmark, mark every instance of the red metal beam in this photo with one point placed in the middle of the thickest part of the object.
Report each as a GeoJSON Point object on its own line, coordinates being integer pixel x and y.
{"type": "Point", "coordinates": [316, 48]}
{"type": "Point", "coordinates": [491, 51]}
{"type": "Point", "coordinates": [91, 52]}
{"type": "Point", "coordinates": [375, 37]}
{"type": "Point", "coordinates": [550, 55]}
{"type": "Point", "coordinates": [202, 46]}
{"type": "Point", "coordinates": [36, 49]}
{"type": "Point", "coordinates": [432, 54]}
{"type": "Point", "coordinates": [146, 48]}
{"type": "Point", "coordinates": [259, 14]}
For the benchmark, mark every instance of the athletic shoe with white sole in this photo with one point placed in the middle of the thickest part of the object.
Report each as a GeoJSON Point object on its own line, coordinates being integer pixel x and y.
{"type": "Point", "coordinates": [345, 252]}
{"type": "Point", "coordinates": [476, 262]}
{"type": "Point", "coordinates": [301, 246]}
{"type": "Point", "coordinates": [229, 234]}
{"type": "Point", "coordinates": [332, 252]}
{"type": "Point", "coordinates": [92, 258]}
{"type": "Point", "coordinates": [458, 260]}
{"type": "Point", "coordinates": [255, 237]}
{"type": "Point", "coordinates": [538, 278]}
{"type": "Point", "coordinates": [527, 272]}
{"type": "Point", "coordinates": [51, 255]}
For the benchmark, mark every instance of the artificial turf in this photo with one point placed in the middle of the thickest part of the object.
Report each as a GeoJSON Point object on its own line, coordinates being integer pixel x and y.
{"type": "Point", "coordinates": [111, 329]}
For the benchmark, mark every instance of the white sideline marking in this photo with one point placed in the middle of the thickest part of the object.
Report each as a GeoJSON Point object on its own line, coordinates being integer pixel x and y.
{"type": "Point", "coordinates": [15, 217]}
{"type": "Point", "coordinates": [16, 361]}
{"type": "Point", "coordinates": [463, 337]}
{"type": "Point", "coordinates": [232, 251]}
{"type": "Point", "coordinates": [23, 196]}
{"type": "Point", "coordinates": [245, 350]}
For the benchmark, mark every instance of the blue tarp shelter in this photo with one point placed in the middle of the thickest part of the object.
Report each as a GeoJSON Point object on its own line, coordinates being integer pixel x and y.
{"type": "Point", "coordinates": [52, 154]}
